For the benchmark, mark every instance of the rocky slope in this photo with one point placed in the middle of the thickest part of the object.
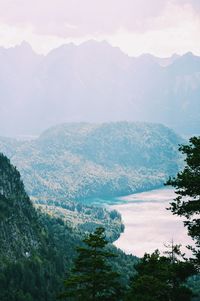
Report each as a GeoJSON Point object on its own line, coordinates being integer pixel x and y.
{"type": "Point", "coordinates": [36, 250]}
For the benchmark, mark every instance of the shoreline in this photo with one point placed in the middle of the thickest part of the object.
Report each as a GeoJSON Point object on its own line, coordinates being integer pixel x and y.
{"type": "Point", "coordinates": [148, 225]}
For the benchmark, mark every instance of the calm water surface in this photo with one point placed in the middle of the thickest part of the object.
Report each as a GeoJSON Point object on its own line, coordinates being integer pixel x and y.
{"type": "Point", "coordinates": [148, 225]}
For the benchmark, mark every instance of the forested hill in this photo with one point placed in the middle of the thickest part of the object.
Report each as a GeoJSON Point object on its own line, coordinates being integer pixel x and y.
{"type": "Point", "coordinates": [18, 236]}
{"type": "Point", "coordinates": [36, 250]}
{"type": "Point", "coordinates": [79, 161]}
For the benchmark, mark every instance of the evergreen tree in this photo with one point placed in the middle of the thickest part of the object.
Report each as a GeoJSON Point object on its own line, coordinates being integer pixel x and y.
{"type": "Point", "coordinates": [92, 277]}
{"type": "Point", "coordinates": [187, 188]}
{"type": "Point", "coordinates": [161, 278]}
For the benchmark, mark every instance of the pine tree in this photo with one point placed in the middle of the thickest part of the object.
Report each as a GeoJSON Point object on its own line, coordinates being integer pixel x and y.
{"type": "Point", "coordinates": [92, 277]}
{"type": "Point", "coordinates": [187, 188]}
{"type": "Point", "coordinates": [161, 278]}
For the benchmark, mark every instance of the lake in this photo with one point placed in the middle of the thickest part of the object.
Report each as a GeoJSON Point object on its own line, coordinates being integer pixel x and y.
{"type": "Point", "coordinates": [148, 225]}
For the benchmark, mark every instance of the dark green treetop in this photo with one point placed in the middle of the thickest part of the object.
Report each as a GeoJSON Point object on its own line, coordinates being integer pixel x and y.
{"type": "Point", "coordinates": [92, 277]}
{"type": "Point", "coordinates": [187, 188]}
{"type": "Point", "coordinates": [161, 278]}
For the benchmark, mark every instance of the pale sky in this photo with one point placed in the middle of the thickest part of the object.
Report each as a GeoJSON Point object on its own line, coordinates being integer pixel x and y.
{"type": "Point", "coordinates": [159, 27]}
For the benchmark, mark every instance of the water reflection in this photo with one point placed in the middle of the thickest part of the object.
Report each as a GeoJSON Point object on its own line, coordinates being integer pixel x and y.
{"type": "Point", "coordinates": [148, 225]}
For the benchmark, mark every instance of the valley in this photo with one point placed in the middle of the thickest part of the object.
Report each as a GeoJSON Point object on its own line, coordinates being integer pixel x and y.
{"type": "Point", "coordinates": [100, 150]}
{"type": "Point", "coordinates": [81, 176]}
{"type": "Point", "coordinates": [72, 169]}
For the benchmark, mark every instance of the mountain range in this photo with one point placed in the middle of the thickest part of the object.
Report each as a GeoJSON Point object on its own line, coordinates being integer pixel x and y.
{"type": "Point", "coordinates": [95, 82]}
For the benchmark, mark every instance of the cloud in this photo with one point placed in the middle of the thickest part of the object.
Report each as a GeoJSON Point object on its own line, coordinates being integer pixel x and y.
{"type": "Point", "coordinates": [136, 26]}
{"type": "Point", "coordinates": [194, 3]}
{"type": "Point", "coordinates": [72, 18]}
{"type": "Point", "coordinates": [75, 18]}
{"type": "Point", "coordinates": [177, 30]}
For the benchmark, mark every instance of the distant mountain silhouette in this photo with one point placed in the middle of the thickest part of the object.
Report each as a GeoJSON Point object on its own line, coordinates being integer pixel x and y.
{"type": "Point", "coordinates": [96, 82]}
{"type": "Point", "coordinates": [161, 61]}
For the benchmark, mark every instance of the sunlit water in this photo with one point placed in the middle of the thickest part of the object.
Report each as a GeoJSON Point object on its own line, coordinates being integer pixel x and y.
{"type": "Point", "coordinates": [148, 225]}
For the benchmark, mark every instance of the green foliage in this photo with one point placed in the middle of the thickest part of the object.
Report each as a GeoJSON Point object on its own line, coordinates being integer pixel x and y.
{"type": "Point", "coordinates": [33, 256]}
{"type": "Point", "coordinates": [161, 278]}
{"type": "Point", "coordinates": [85, 161]}
{"type": "Point", "coordinates": [5, 207]}
{"type": "Point", "coordinates": [194, 284]}
{"type": "Point", "coordinates": [84, 218]}
{"type": "Point", "coordinates": [187, 185]}
{"type": "Point", "coordinates": [36, 250]}
{"type": "Point", "coordinates": [92, 277]}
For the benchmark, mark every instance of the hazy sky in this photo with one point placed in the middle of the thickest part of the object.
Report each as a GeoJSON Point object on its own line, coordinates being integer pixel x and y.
{"type": "Point", "coordinates": [160, 27]}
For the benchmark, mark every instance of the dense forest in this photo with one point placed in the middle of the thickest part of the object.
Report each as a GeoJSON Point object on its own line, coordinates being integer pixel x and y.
{"type": "Point", "coordinates": [36, 250]}
{"type": "Point", "coordinates": [40, 247]}
{"type": "Point", "coordinates": [82, 161]}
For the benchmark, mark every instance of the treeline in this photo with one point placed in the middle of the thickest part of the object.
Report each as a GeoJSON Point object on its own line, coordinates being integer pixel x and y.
{"type": "Point", "coordinates": [157, 278]}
